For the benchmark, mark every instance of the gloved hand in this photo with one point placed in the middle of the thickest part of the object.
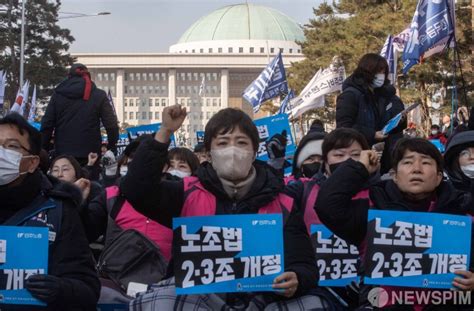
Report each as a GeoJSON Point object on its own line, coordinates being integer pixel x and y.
{"type": "Point", "coordinates": [276, 145]}
{"type": "Point", "coordinates": [44, 287]}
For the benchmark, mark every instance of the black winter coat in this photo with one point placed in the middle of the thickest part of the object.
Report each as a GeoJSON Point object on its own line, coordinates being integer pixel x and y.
{"type": "Point", "coordinates": [69, 256]}
{"type": "Point", "coordinates": [75, 122]}
{"type": "Point", "coordinates": [367, 111]}
{"type": "Point", "coordinates": [161, 200]}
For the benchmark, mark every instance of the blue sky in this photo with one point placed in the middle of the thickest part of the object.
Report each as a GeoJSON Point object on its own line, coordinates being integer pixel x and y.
{"type": "Point", "coordinates": [152, 25]}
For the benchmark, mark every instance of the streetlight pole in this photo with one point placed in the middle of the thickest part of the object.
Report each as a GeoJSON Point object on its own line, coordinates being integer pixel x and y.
{"type": "Point", "coordinates": [22, 47]}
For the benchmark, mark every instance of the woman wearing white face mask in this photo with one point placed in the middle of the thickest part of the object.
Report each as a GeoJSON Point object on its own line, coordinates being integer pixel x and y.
{"type": "Point", "coordinates": [368, 101]}
{"type": "Point", "coordinates": [459, 160]}
{"type": "Point", "coordinates": [233, 183]}
{"type": "Point", "coordinates": [182, 163]}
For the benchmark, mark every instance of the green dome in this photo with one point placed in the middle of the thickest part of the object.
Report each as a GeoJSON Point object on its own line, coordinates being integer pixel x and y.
{"type": "Point", "coordinates": [244, 22]}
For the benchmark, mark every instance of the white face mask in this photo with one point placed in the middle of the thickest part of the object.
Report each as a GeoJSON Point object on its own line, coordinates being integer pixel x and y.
{"type": "Point", "coordinates": [434, 132]}
{"type": "Point", "coordinates": [232, 163]}
{"type": "Point", "coordinates": [468, 170]}
{"type": "Point", "coordinates": [179, 173]}
{"type": "Point", "coordinates": [123, 170]}
{"type": "Point", "coordinates": [10, 165]}
{"type": "Point", "coordinates": [378, 81]}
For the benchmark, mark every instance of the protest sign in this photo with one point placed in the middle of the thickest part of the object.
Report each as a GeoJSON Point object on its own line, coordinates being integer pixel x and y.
{"type": "Point", "coordinates": [17, 244]}
{"type": "Point", "coordinates": [393, 123]}
{"type": "Point", "coordinates": [337, 260]}
{"type": "Point", "coordinates": [216, 254]}
{"type": "Point", "coordinates": [200, 137]}
{"type": "Point", "coordinates": [136, 131]}
{"type": "Point", "coordinates": [416, 249]}
{"type": "Point", "coordinates": [122, 143]}
{"type": "Point", "coordinates": [269, 126]}
{"type": "Point", "coordinates": [438, 145]}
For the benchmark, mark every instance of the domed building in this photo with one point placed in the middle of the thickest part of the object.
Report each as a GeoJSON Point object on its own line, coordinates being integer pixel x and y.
{"type": "Point", "coordinates": [208, 68]}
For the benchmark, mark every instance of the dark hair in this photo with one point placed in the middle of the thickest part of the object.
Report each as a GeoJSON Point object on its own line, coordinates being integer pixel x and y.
{"type": "Point", "coordinates": [199, 148]}
{"type": "Point", "coordinates": [369, 65]}
{"type": "Point", "coordinates": [79, 173]}
{"type": "Point", "coordinates": [34, 136]}
{"type": "Point", "coordinates": [186, 155]}
{"type": "Point", "coordinates": [419, 145]}
{"type": "Point", "coordinates": [225, 121]}
{"type": "Point", "coordinates": [342, 138]}
{"type": "Point", "coordinates": [435, 126]}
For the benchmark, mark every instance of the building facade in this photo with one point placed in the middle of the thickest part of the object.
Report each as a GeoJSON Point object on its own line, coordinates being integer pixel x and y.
{"type": "Point", "coordinates": [207, 70]}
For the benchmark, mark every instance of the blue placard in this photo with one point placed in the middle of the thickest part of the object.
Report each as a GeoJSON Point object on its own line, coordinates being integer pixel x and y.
{"type": "Point", "coordinates": [200, 137]}
{"type": "Point", "coordinates": [416, 249]}
{"type": "Point", "coordinates": [220, 254]}
{"type": "Point", "coordinates": [36, 125]}
{"type": "Point", "coordinates": [438, 145]}
{"type": "Point", "coordinates": [392, 124]}
{"type": "Point", "coordinates": [136, 131]}
{"type": "Point", "coordinates": [269, 126]}
{"type": "Point", "coordinates": [337, 261]}
{"type": "Point", "coordinates": [17, 262]}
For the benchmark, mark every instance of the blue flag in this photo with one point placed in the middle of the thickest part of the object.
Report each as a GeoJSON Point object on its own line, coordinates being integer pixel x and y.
{"type": "Point", "coordinates": [388, 53]}
{"type": "Point", "coordinates": [285, 104]}
{"type": "Point", "coordinates": [431, 24]}
{"type": "Point", "coordinates": [269, 84]}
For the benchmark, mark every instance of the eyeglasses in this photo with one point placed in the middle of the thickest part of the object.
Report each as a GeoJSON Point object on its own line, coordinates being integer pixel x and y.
{"type": "Point", "coordinates": [466, 153]}
{"type": "Point", "coordinates": [14, 145]}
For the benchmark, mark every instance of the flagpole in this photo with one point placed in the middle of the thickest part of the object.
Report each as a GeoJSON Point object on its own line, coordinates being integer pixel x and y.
{"type": "Point", "coordinates": [22, 43]}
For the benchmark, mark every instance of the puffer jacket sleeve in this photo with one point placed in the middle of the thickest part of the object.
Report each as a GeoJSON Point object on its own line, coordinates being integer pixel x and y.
{"type": "Point", "coordinates": [71, 260]}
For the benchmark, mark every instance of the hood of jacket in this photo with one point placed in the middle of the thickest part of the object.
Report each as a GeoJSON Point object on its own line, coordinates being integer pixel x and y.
{"type": "Point", "coordinates": [386, 196]}
{"type": "Point", "coordinates": [73, 87]}
{"type": "Point", "coordinates": [458, 143]}
{"type": "Point", "coordinates": [266, 187]}
{"type": "Point", "coordinates": [312, 135]}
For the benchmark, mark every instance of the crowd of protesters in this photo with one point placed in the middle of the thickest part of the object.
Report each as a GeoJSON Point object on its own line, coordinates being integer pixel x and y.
{"type": "Point", "coordinates": [90, 197]}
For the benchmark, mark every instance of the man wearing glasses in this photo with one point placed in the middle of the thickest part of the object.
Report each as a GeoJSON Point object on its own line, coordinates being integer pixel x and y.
{"type": "Point", "coordinates": [28, 198]}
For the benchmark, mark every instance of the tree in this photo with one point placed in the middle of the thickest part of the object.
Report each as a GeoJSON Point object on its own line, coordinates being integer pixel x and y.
{"type": "Point", "coordinates": [352, 28]}
{"type": "Point", "coordinates": [46, 46]}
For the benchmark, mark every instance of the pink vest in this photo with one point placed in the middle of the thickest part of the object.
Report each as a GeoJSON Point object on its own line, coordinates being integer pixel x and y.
{"type": "Point", "coordinates": [200, 202]}
{"type": "Point", "coordinates": [129, 218]}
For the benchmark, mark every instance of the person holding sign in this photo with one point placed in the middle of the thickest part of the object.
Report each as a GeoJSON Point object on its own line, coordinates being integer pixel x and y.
{"type": "Point", "coordinates": [417, 186]}
{"type": "Point", "coordinates": [233, 183]}
{"type": "Point", "coordinates": [368, 101]}
{"type": "Point", "coordinates": [29, 199]}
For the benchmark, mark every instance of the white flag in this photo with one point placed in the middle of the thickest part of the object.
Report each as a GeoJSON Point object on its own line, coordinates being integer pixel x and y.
{"type": "Point", "coordinates": [21, 96]}
{"type": "Point", "coordinates": [3, 83]}
{"type": "Point", "coordinates": [26, 89]}
{"type": "Point", "coordinates": [324, 82]}
{"type": "Point", "coordinates": [32, 114]}
{"type": "Point", "coordinates": [202, 86]}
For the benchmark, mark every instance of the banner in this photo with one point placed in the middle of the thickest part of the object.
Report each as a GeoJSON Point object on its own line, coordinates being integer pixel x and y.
{"type": "Point", "coordinates": [285, 104]}
{"type": "Point", "coordinates": [23, 252]}
{"type": "Point", "coordinates": [21, 98]}
{"type": "Point", "coordinates": [200, 137]}
{"type": "Point", "coordinates": [324, 82]}
{"type": "Point", "coordinates": [221, 254]}
{"type": "Point", "coordinates": [393, 123]}
{"type": "Point", "coordinates": [431, 26]}
{"type": "Point", "coordinates": [122, 143]}
{"type": "Point", "coordinates": [337, 261]}
{"type": "Point", "coordinates": [438, 144]}
{"type": "Point", "coordinates": [3, 83]}
{"type": "Point", "coordinates": [416, 249]}
{"type": "Point", "coordinates": [136, 131]}
{"type": "Point", "coordinates": [269, 84]}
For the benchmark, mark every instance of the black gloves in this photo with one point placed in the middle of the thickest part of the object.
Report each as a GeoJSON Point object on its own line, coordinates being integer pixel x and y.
{"type": "Point", "coordinates": [276, 145]}
{"type": "Point", "coordinates": [47, 288]}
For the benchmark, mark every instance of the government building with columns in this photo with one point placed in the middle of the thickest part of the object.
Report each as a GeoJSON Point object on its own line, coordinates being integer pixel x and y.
{"type": "Point", "coordinates": [227, 49]}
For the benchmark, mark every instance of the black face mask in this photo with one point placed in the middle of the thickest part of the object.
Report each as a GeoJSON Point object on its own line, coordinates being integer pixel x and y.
{"type": "Point", "coordinates": [309, 170]}
{"type": "Point", "coordinates": [333, 167]}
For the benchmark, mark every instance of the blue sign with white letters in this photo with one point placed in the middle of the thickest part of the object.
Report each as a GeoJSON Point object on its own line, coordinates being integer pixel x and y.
{"type": "Point", "coordinates": [200, 137]}
{"type": "Point", "coordinates": [220, 254]}
{"type": "Point", "coordinates": [416, 249]}
{"type": "Point", "coordinates": [17, 244]}
{"type": "Point", "coordinates": [136, 131]}
{"type": "Point", "coordinates": [337, 260]}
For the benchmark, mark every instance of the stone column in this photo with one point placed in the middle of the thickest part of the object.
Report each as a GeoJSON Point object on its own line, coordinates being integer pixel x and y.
{"type": "Point", "coordinates": [171, 87]}
{"type": "Point", "coordinates": [224, 88]}
{"type": "Point", "coordinates": [119, 96]}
